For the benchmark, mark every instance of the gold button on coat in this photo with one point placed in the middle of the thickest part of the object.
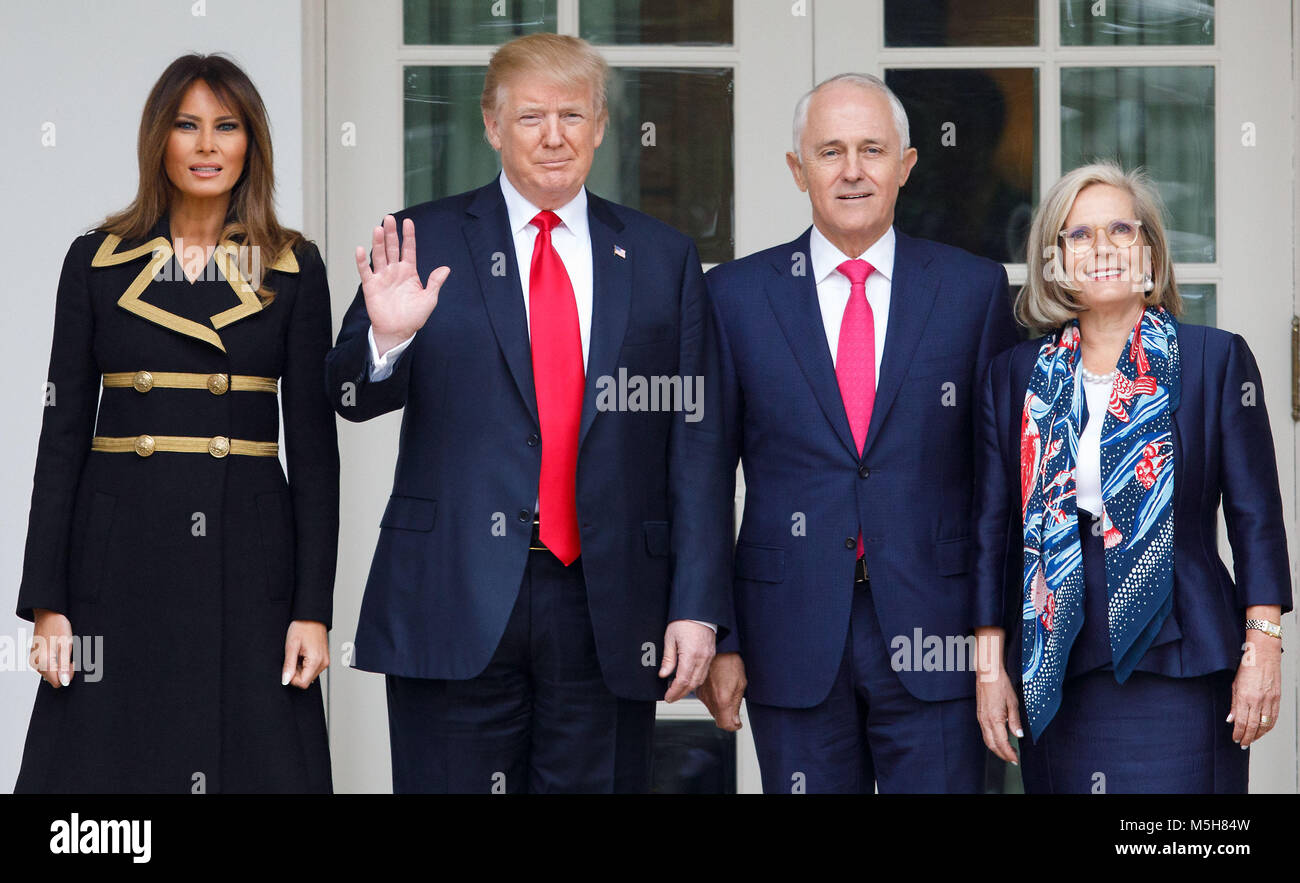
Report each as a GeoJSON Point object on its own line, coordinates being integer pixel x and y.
{"type": "Point", "coordinates": [218, 384]}
{"type": "Point", "coordinates": [144, 445]}
{"type": "Point", "coordinates": [143, 381]}
{"type": "Point", "coordinates": [219, 446]}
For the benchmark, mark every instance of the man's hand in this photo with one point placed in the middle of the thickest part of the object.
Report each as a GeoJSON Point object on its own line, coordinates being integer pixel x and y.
{"type": "Point", "coordinates": [398, 306]}
{"type": "Point", "coordinates": [306, 653]}
{"type": "Point", "coordinates": [52, 647]}
{"type": "Point", "coordinates": [723, 689]}
{"type": "Point", "coordinates": [688, 647]}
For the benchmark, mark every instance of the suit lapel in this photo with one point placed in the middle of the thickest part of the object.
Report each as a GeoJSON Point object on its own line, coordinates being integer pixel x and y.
{"type": "Point", "coordinates": [160, 251]}
{"type": "Point", "coordinates": [798, 312]}
{"type": "Point", "coordinates": [911, 297]}
{"type": "Point", "coordinates": [611, 301]}
{"type": "Point", "coordinates": [1191, 362]}
{"type": "Point", "coordinates": [488, 233]}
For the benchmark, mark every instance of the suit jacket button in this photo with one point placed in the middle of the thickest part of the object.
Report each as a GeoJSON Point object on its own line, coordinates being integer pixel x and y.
{"type": "Point", "coordinates": [143, 381]}
{"type": "Point", "coordinates": [863, 472]}
{"type": "Point", "coordinates": [144, 445]}
{"type": "Point", "coordinates": [533, 440]}
{"type": "Point", "coordinates": [525, 516]}
{"type": "Point", "coordinates": [219, 446]}
{"type": "Point", "coordinates": [218, 384]}
{"type": "Point", "coordinates": [850, 543]}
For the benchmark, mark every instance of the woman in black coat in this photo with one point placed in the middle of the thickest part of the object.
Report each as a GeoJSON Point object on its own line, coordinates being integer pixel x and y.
{"type": "Point", "coordinates": [163, 534]}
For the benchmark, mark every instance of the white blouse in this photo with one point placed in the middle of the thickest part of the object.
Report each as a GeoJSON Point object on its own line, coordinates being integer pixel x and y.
{"type": "Point", "coordinates": [1087, 476]}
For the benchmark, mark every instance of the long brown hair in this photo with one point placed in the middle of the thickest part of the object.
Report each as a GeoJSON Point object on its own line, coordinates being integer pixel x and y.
{"type": "Point", "coordinates": [250, 218]}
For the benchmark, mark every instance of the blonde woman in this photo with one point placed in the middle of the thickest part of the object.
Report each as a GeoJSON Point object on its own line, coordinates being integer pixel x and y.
{"type": "Point", "coordinates": [1107, 445]}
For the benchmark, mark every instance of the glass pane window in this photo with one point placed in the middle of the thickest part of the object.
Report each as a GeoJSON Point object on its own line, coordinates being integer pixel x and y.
{"type": "Point", "coordinates": [668, 151]}
{"type": "Point", "coordinates": [477, 23]}
{"type": "Point", "coordinates": [1137, 23]}
{"type": "Point", "coordinates": [961, 22]}
{"type": "Point", "coordinates": [693, 757]}
{"type": "Point", "coordinates": [676, 22]}
{"type": "Point", "coordinates": [1161, 118]}
{"type": "Point", "coordinates": [1199, 307]}
{"type": "Point", "coordinates": [976, 177]}
{"type": "Point", "coordinates": [445, 151]}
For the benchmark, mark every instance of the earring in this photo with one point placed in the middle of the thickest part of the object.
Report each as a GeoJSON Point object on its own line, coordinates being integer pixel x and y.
{"type": "Point", "coordinates": [1148, 283]}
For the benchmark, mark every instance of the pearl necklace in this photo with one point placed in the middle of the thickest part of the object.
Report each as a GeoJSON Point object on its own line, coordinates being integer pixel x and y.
{"type": "Point", "coordinates": [1089, 377]}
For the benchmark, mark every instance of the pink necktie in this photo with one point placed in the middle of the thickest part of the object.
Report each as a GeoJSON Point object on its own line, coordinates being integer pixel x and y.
{"type": "Point", "coordinates": [855, 356]}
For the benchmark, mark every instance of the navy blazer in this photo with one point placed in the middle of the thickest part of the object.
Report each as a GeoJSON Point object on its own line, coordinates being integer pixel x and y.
{"type": "Point", "coordinates": [653, 511]}
{"type": "Point", "coordinates": [806, 489]}
{"type": "Point", "coordinates": [1223, 450]}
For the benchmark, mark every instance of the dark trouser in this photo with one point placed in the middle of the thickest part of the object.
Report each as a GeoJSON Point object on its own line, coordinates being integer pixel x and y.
{"type": "Point", "coordinates": [1150, 735]}
{"type": "Point", "coordinates": [538, 719]}
{"type": "Point", "coordinates": [869, 733]}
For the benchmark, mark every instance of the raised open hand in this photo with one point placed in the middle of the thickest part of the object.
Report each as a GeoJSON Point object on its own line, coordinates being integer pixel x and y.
{"type": "Point", "coordinates": [397, 304]}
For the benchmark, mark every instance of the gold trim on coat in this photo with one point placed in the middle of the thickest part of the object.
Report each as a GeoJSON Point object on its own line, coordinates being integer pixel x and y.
{"type": "Point", "coordinates": [225, 256]}
{"type": "Point", "coordinates": [217, 384]}
{"type": "Point", "coordinates": [218, 446]}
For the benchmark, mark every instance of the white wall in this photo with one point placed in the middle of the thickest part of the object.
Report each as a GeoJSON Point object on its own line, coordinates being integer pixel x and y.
{"type": "Point", "coordinates": [87, 67]}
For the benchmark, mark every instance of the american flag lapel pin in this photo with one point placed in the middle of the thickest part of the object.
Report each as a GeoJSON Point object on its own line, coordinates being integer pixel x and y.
{"type": "Point", "coordinates": [618, 250]}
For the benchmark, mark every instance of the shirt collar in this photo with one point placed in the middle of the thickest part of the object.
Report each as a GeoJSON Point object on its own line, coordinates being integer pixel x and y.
{"type": "Point", "coordinates": [826, 258]}
{"type": "Point", "coordinates": [573, 214]}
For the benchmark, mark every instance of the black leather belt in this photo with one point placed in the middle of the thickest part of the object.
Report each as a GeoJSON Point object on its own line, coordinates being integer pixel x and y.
{"type": "Point", "coordinates": [535, 544]}
{"type": "Point", "coordinates": [860, 571]}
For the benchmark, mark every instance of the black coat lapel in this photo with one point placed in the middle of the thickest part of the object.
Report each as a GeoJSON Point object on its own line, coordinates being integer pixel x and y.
{"type": "Point", "coordinates": [487, 233]}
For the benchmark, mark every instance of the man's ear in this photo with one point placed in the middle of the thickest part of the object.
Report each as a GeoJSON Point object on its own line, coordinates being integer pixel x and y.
{"type": "Point", "coordinates": [600, 127]}
{"type": "Point", "coordinates": [491, 130]}
{"type": "Point", "coordinates": [796, 169]}
{"type": "Point", "coordinates": [909, 161]}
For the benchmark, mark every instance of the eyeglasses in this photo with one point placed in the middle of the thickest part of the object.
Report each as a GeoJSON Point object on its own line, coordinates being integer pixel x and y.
{"type": "Point", "coordinates": [1121, 233]}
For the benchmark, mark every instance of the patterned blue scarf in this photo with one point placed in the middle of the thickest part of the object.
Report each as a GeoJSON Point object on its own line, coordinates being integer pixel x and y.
{"type": "Point", "coordinates": [1137, 470]}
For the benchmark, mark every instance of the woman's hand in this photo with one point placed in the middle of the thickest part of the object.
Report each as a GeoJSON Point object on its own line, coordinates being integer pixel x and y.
{"type": "Point", "coordinates": [52, 647]}
{"type": "Point", "coordinates": [306, 653]}
{"type": "Point", "coordinates": [996, 704]}
{"type": "Point", "coordinates": [1257, 688]}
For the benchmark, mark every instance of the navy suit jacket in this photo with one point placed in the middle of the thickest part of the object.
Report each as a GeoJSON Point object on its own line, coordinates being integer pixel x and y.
{"type": "Point", "coordinates": [653, 510]}
{"type": "Point", "coordinates": [1223, 450]}
{"type": "Point", "coordinates": [807, 491]}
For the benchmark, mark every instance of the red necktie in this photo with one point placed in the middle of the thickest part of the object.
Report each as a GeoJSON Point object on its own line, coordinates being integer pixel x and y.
{"type": "Point", "coordinates": [559, 379]}
{"type": "Point", "coordinates": [855, 356]}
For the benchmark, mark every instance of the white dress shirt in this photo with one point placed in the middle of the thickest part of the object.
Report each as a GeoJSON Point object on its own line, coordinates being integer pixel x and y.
{"type": "Point", "coordinates": [833, 287]}
{"type": "Point", "coordinates": [1087, 466]}
{"type": "Point", "coordinates": [572, 241]}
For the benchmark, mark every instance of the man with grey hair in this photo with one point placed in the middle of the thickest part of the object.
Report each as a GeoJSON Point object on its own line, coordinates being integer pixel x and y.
{"type": "Point", "coordinates": [847, 360]}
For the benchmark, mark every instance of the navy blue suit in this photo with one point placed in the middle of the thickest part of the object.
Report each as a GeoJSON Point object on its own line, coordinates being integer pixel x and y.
{"type": "Point", "coordinates": [799, 616]}
{"type": "Point", "coordinates": [1223, 451]}
{"type": "Point", "coordinates": [454, 541]}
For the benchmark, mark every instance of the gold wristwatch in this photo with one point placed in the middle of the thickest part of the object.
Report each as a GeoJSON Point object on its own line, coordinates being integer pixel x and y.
{"type": "Point", "coordinates": [1272, 629]}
